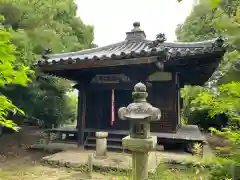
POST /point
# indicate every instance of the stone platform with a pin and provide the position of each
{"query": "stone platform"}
(184, 133)
(54, 147)
(77, 159)
(183, 138)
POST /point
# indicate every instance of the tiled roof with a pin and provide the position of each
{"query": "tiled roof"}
(135, 45)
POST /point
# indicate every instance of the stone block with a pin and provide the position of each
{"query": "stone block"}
(101, 144)
(236, 172)
(139, 145)
(101, 135)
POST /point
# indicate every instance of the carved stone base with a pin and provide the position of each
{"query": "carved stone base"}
(236, 172)
(140, 145)
(140, 165)
(101, 145)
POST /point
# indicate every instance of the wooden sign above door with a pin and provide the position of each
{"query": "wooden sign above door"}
(160, 76)
(110, 78)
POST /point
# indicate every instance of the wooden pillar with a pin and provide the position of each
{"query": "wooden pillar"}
(178, 97)
(79, 107)
(81, 115)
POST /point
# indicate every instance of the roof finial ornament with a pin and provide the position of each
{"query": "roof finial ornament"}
(136, 33)
(136, 27)
(136, 24)
(45, 53)
(160, 38)
(218, 42)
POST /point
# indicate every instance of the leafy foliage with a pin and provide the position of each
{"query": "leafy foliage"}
(38, 25)
(34, 26)
(220, 97)
(10, 74)
(210, 19)
(226, 100)
(206, 23)
(221, 172)
(188, 94)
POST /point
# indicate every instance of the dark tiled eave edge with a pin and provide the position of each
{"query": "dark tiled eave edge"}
(85, 64)
(164, 52)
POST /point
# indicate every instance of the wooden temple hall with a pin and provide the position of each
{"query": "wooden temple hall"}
(105, 77)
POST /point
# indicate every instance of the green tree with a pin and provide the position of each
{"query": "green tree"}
(204, 23)
(39, 25)
(223, 94)
(10, 74)
(35, 26)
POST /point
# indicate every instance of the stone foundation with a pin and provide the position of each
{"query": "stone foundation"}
(101, 145)
(118, 162)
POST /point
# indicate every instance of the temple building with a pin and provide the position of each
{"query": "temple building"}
(105, 77)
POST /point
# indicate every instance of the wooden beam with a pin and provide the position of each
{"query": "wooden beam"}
(86, 64)
(178, 96)
(116, 86)
(84, 101)
(81, 116)
(120, 86)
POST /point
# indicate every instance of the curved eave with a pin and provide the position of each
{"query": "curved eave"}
(172, 58)
(194, 61)
(129, 49)
(196, 70)
(193, 69)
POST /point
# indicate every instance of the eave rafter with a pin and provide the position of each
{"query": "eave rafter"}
(136, 51)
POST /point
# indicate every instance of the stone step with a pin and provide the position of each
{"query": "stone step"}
(111, 142)
(114, 141)
(113, 132)
(65, 141)
(109, 146)
(108, 139)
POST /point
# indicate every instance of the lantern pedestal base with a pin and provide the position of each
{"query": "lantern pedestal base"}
(140, 145)
(140, 150)
(101, 145)
(140, 165)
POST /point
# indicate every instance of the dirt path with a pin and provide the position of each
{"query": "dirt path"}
(38, 172)
(19, 163)
(14, 149)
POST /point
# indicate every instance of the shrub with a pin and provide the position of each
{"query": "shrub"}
(221, 172)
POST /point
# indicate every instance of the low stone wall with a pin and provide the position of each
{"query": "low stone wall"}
(83, 167)
(104, 168)
(55, 163)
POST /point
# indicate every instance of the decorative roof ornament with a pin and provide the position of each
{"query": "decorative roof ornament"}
(160, 38)
(219, 42)
(136, 27)
(136, 33)
(45, 53)
(236, 65)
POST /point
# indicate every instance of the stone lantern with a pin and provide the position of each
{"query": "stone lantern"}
(140, 113)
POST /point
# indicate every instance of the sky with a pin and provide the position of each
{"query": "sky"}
(113, 18)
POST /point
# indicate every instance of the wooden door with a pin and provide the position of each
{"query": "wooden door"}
(163, 96)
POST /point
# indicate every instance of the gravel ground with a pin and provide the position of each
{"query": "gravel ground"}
(19, 163)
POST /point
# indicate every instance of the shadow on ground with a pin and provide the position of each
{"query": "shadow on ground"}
(14, 148)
